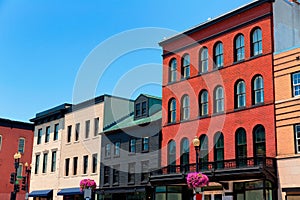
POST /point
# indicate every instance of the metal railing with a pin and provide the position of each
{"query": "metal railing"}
(263, 162)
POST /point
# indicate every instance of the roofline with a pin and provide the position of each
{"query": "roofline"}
(128, 127)
(214, 21)
(94, 101)
(16, 124)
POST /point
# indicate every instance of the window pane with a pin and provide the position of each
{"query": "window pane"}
(56, 128)
(87, 128)
(172, 72)
(21, 145)
(53, 163)
(47, 136)
(45, 159)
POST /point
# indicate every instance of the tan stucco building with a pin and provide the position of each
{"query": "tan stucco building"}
(48, 134)
(287, 109)
(77, 147)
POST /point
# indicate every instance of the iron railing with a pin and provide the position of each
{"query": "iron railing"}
(263, 162)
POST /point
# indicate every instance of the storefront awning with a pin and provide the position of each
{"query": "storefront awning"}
(69, 191)
(40, 193)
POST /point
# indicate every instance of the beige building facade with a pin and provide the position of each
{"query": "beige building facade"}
(48, 134)
(287, 109)
(67, 145)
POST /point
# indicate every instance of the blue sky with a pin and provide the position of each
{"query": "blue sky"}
(43, 45)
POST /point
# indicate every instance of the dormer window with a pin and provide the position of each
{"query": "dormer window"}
(137, 110)
(144, 108)
(141, 109)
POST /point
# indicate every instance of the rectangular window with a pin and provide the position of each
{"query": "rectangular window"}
(77, 131)
(69, 136)
(116, 174)
(75, 164)
(138, 110)
(87, 128)
(132, 145)
(67, 166)
(21, 146)
(94, 170)
(145, 171)
(106, 175)
(144, 108)
(47, 135)
(56, 128)
(131, 173)
(85, 164)
(39, 136)
(117, 146)
(45, 159)
(296, 84)
(37, 164)
(145, 144)
(20, 169)
(53, 162)
(297, 138)
(107, 150)
(96, 126)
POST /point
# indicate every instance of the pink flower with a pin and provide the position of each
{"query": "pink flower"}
(87, 183)
(196, 179)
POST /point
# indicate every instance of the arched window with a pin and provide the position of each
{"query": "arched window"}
(172, 111)
(203, 103)
(185, 69)
(219, 150)
(240, 94)
(258, 90)
(203, 152)
(259, 144)
(218, 55)
(171, 156)
(184, 154)
(239, 48)
(172, 70)
(219, 100)
(21, 146)
(241, 147)
(256, 42)
(203, 60)
(185, 107)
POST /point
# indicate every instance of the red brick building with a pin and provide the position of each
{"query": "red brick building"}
(15, 137)
(218, 85)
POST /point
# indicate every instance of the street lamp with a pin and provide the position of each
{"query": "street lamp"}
(13, 194)
(28, 172)
(196, 143)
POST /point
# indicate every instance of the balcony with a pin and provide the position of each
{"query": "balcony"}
(226, 170)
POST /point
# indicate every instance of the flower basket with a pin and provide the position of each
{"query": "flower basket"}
(87, 184)
(197, 180)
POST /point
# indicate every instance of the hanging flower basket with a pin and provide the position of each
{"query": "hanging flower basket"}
(87, 184)
(196, 180)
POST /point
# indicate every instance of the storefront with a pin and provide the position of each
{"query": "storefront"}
(71, 194)
(41, 194)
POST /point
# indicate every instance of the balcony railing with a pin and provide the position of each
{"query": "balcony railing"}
(263, 162)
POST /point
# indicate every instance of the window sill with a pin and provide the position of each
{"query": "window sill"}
(144, 182)
(145, 151)
(203, 116)
(107, 158)
(131, 154)
(256, 56)
(257, 105)
(239, 61)
(115, 184)
(217, 114)
(106, 185)
(130, 183)
(75, 142)
(240, 108)
(117, 156)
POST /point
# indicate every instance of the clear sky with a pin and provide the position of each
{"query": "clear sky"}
(43, 46)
